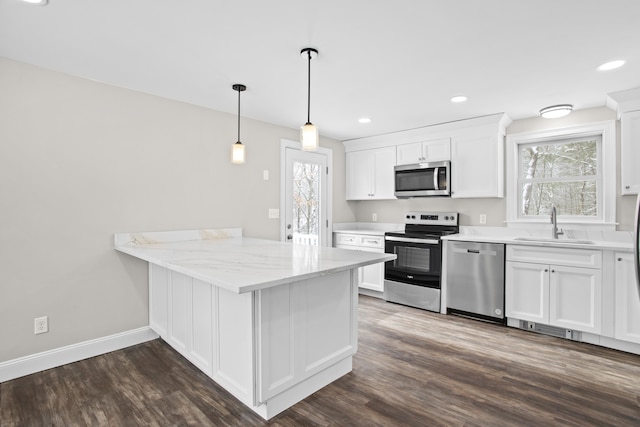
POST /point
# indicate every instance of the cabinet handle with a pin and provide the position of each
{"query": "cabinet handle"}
(546, 270)
(627, 187)
(619, 259)
(553, 271)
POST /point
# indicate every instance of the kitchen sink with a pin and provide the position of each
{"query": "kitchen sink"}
(547, 240)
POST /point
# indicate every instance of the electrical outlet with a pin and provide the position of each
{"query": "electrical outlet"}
(274, 213)
(374, 217)
(265, 174)
(40, 325)
(483, 218)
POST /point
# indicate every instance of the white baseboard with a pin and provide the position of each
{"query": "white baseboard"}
(38, 362)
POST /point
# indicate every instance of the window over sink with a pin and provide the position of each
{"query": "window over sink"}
(571, 168)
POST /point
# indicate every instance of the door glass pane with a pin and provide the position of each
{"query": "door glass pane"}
(306, 204)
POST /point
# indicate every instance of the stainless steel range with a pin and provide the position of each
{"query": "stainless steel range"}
(414, 277)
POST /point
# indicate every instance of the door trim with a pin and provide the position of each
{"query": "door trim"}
(328, 153)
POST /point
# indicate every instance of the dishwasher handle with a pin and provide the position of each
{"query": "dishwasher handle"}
(490, 251)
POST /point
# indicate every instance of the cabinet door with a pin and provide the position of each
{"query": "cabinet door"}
(384, 176)
(372, 276)
(436, 150)
(527, 291)
(359, 175)
(630, 152)
(477, 166)
(576, 298)
(627, 300)
(409, 153)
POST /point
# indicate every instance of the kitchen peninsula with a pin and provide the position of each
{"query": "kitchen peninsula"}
(271, 322)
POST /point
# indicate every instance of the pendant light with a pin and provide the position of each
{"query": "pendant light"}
(309, 132)
(237, 152)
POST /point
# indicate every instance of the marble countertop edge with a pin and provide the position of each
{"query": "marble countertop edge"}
(241, 264)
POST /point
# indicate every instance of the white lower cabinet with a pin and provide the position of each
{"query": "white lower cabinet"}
(554, 286)
(372, 276)
(269, 348)
(627, 300)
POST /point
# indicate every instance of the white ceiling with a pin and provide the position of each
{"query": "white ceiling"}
(396, 61)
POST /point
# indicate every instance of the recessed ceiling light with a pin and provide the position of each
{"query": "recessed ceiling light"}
(37, 2)
(459, 98)
(364, 120)
(612, 65)
(556, 111)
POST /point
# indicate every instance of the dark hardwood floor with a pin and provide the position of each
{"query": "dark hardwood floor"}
(413, 368)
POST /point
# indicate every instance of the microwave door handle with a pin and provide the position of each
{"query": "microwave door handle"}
(435, 178)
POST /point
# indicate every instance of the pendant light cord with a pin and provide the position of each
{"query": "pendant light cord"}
(238, 116)
(309, 89)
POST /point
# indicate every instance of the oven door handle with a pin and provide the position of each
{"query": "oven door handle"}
(412, 240)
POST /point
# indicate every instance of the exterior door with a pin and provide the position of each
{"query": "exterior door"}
(305, 195)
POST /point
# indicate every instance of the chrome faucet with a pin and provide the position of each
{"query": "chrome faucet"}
(554, 221)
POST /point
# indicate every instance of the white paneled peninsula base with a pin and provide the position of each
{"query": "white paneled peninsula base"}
(271, 322)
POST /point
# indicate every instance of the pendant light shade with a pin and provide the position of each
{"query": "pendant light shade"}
(309, 132)
(237, 150)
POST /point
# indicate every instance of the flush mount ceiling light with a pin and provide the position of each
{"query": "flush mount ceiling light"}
(459, 98)
(612, 65)
(37, 2)
(309, 132)
(556, 111)
(364, 120)
(237, 152)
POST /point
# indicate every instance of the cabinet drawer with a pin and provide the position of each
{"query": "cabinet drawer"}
(589, 258)
(347, 239)
(372, 241)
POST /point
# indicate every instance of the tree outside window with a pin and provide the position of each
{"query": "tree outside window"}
(306, 190)
(564, 173)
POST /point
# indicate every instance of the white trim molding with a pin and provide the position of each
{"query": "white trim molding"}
(607, 129)
(38, 362)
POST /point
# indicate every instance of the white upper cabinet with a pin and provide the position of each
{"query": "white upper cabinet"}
(627, 105)
(428, 151)
(370, 174)
(630, 153)
(475, 148)
(477, 165)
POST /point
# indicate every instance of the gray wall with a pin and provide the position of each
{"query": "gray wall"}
(495, 209)
(80, 161)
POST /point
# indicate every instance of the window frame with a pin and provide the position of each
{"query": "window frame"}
(606, 171)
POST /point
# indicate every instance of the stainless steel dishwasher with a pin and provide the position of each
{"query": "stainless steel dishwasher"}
(475, 280)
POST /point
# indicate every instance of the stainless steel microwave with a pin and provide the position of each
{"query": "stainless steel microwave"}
(423, 179)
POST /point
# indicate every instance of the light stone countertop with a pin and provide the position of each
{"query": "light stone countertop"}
(223, 258)
(614, 241)
(368, 228)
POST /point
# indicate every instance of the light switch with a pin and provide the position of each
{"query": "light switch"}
(265, 174)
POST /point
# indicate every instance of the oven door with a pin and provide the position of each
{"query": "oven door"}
(418, 261)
